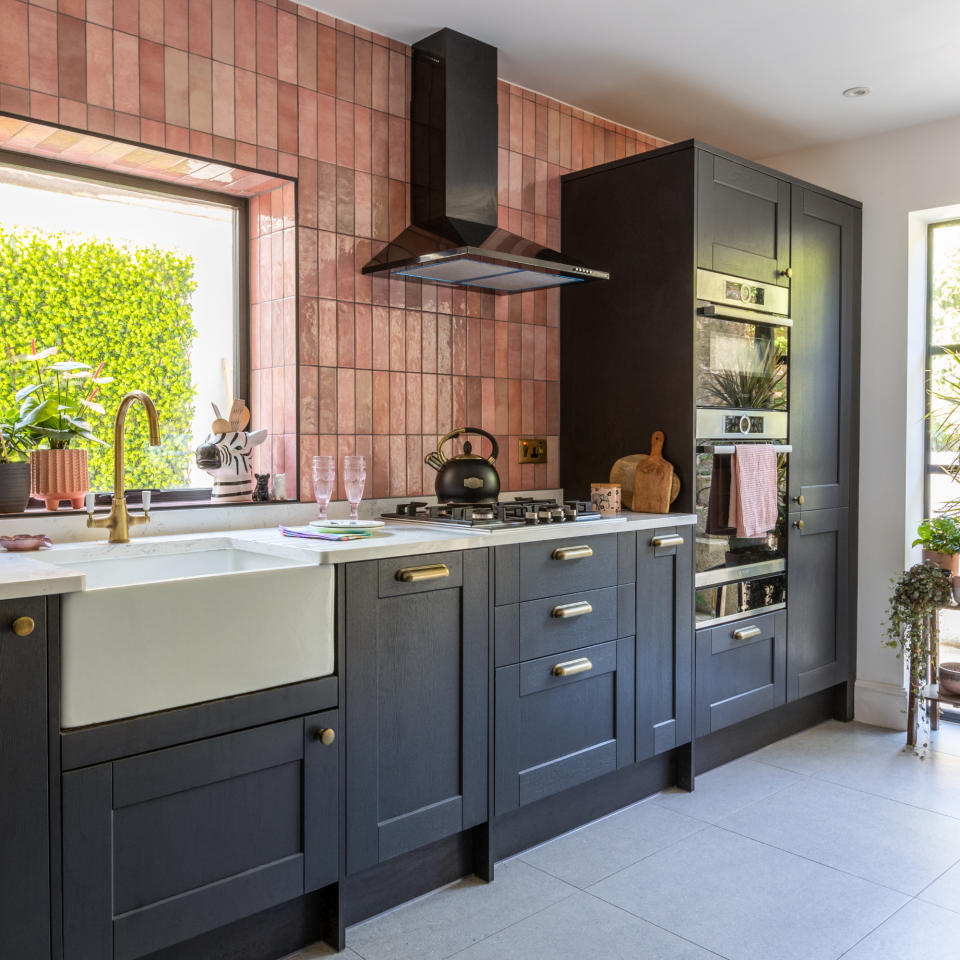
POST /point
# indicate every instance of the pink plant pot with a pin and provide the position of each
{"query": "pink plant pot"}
(945, 561)
(57, 475)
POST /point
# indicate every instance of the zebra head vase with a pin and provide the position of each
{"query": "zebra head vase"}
(227, 455)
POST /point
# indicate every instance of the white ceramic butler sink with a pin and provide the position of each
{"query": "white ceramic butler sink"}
(166, 629)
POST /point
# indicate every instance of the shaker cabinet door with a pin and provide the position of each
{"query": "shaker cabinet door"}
(417, 681)
(24, 796)
(743, 220)
(664, 640)
(819, 601)
(823, 364)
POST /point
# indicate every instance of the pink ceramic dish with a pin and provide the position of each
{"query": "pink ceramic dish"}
(25, 541)
(949, 677)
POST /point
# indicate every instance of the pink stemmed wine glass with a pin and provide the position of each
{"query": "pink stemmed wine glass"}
(324, 478)
(354, 477)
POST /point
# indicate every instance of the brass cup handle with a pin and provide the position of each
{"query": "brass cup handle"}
(577, 609)
(23, 626)
(573, 553)
(747, 633)
(430, 571)
(569, 667)
(667, 540)
(798, 524)
(326, 736)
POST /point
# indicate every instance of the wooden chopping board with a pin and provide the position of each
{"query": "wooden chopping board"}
(653, 480)
(624, 471)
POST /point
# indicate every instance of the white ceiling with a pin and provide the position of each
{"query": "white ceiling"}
(758, 78)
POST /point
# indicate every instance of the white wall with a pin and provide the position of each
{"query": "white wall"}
(904, 179)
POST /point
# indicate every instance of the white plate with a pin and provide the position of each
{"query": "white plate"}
(346, 524)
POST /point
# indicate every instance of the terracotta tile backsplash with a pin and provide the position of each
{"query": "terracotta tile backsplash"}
(340, 363)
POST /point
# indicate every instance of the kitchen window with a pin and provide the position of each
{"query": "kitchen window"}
(942, 430)
(144, 279)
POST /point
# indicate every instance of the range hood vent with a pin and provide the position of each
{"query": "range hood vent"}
(454, 237)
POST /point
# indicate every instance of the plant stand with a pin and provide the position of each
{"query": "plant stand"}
(930, 697)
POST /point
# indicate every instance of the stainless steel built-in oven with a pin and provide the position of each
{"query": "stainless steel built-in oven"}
(742, 357)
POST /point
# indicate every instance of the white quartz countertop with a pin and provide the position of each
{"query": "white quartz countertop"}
(34, 574)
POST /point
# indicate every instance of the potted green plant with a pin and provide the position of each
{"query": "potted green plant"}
(54, 410)
(16, 443)
(918, 594)
(940, 539)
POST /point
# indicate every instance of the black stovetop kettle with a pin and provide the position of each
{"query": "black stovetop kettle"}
(467, 477)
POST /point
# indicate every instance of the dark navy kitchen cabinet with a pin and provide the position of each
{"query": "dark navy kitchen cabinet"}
(417, 682)
(741, 670)
(743, 220)
(25, 780)
(821, 567)
(163, 846)
(664, 639)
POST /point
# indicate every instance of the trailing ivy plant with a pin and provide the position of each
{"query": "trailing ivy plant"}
(127, 306)
(915, 602)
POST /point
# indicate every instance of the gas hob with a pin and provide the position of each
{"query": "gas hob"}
(522, 512)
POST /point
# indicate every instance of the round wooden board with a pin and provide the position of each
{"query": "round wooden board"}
(623, 472)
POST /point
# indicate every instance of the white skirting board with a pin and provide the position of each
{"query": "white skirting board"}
(881, 704)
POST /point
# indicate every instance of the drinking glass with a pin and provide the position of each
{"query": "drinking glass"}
(324, 477)
(354, 477)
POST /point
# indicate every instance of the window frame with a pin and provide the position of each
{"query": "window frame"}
(241, 253)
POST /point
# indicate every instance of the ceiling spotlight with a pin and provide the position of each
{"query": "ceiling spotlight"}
(855, 92)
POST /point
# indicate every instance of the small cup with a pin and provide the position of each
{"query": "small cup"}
(605, 497)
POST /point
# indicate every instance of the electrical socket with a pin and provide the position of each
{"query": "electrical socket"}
(532, 450)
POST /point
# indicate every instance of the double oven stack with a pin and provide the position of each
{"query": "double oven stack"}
(742, 349)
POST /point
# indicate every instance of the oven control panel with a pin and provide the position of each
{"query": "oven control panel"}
(742, 424)
(742, 292)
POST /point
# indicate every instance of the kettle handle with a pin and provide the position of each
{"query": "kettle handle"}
(483, 433)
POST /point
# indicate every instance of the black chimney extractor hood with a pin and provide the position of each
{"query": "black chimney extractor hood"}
(454, 237)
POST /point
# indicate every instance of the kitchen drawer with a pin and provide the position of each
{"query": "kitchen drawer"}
(554, 731)
(544, 631)
(431, 571)
(551, 568)
(740, 676)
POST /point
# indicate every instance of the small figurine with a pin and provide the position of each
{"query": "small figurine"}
(227, 455)
(279, 486)
(260, 493)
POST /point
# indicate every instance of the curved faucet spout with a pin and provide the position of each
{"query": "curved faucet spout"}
(119, 426)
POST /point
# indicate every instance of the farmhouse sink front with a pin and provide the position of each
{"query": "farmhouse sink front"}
(159, 630)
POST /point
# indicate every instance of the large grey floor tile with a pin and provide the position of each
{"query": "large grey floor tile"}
(920, 931)
(749, 901)
(728, 788)
(891, 843)
(601, 848)
(873, 760)
(584, 928)
(945, 890)
(456, 916)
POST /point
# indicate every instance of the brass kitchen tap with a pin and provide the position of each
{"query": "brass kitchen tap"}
(119, 521)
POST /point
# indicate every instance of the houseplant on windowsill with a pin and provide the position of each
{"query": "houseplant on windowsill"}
(940, 539)
(15, 446)
(54, 409)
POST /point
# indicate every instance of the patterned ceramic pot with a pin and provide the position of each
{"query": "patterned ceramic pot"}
(606, 497)
(57, 475)
(14, 487)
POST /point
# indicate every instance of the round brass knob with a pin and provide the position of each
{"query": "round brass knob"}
(798, 499)
(23, 626)
(326, 736)
(798, 524)
(788, 273)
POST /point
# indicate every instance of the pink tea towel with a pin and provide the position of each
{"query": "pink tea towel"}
(753, 489)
